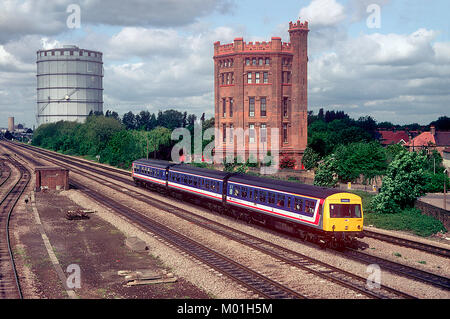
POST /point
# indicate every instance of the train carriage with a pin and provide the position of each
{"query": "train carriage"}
(206, 183)
(323, 215)
(316, 213)
(150, 172)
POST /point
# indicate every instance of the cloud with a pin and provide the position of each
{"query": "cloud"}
(323, 13)
(384, 74)
(41, 17)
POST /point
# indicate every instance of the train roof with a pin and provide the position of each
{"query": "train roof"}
(154, 162)
(186, 168)
(284, 186)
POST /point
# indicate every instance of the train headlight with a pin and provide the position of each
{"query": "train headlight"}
(359, 226)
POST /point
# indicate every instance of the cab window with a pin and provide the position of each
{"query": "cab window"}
(345, 211)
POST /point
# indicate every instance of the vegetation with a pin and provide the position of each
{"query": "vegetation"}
(340, 149)
(117, 142)
(409, 219)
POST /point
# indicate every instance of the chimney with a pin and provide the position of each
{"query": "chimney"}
(433, 130)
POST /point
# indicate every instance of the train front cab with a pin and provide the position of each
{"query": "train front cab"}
(343, 216)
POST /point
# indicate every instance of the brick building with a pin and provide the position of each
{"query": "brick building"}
(259, 87)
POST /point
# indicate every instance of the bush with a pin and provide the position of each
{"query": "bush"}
(435, 182)
(310, 159)
(287, 162)
(325, 175)
(404, 182)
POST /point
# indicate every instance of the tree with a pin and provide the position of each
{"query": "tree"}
(403, 183)
(129, 121)
(359, 159)
(143, 121)
(170, 119)
(325, 175)
(442, 124)
(310, 159)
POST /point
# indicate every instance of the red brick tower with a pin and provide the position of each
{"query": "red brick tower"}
(259, 87)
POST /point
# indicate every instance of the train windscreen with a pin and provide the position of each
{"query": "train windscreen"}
(345, 211)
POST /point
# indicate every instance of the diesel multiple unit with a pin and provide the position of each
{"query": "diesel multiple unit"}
(326, 216)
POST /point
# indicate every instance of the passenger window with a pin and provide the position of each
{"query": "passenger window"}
(262, 196)
(255, 195)
(271, 198)
(289, 202)
(309, 206)
(298, 205)
(230, 190)
(280, 201)
(236, 190)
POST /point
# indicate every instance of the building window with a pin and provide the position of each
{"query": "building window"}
(224, 133)
(251, 133)
(266, 77)
(224, 107)
(256, 77)
(228, 78)
(285, 107)
(247, 61)
(251, 108)
(231, 133)
(267, 61)
(260, 61)
(223, 78)
(249, 77)
(285, 133)
(253, 61)
(263, 133)
(232, 78)
(263, 106)
(231, 107)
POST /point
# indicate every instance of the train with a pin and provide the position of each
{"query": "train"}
(328, 217)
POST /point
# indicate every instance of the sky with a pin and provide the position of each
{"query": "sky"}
(389, 59)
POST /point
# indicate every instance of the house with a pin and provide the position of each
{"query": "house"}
(387, 137)
(432, 140)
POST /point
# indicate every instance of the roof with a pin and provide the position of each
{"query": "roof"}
(284, 186)
(440, 139)
(154, 162)
(393, 137)
(50, 168)
(185, 168)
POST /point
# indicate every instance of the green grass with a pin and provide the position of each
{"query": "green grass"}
(409, 219)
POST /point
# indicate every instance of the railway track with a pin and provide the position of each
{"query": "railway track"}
(414, 273)
(4, 178)
(9, 280)
(250, 279)
(290, 257)
(435, 250)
